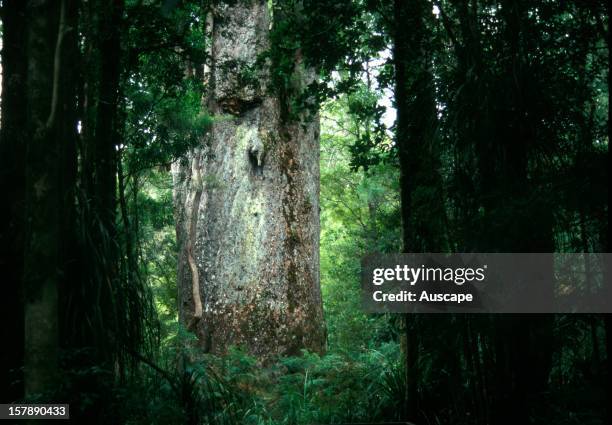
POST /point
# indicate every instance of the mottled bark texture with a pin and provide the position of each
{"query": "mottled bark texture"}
(247, 205)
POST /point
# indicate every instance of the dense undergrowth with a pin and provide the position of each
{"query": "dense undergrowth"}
(234, 389)
(183, 387)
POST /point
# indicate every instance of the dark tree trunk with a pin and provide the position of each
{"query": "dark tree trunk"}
(43, 262)
(12, 180)
(90, 304)
(67, 133)
(422, 207)
(526, 340)
(105, 140)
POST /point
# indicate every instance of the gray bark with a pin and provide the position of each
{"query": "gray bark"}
(247, 206)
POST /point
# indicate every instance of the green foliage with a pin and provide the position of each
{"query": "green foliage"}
(162, 118)
(359, 214)
(162, 84)
(158, 249)
(325, 37)
(311, 389)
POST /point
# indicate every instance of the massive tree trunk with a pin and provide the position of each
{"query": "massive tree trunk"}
(247, 204)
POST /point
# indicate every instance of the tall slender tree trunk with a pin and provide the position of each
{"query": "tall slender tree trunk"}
(105, 140)
(43, 267)
(526, 340)
(247, 204)
(12, 180)
(422, 207)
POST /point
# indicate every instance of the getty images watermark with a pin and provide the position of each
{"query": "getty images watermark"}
(487, 283)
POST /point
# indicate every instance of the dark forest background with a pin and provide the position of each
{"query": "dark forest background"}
(446, 126)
